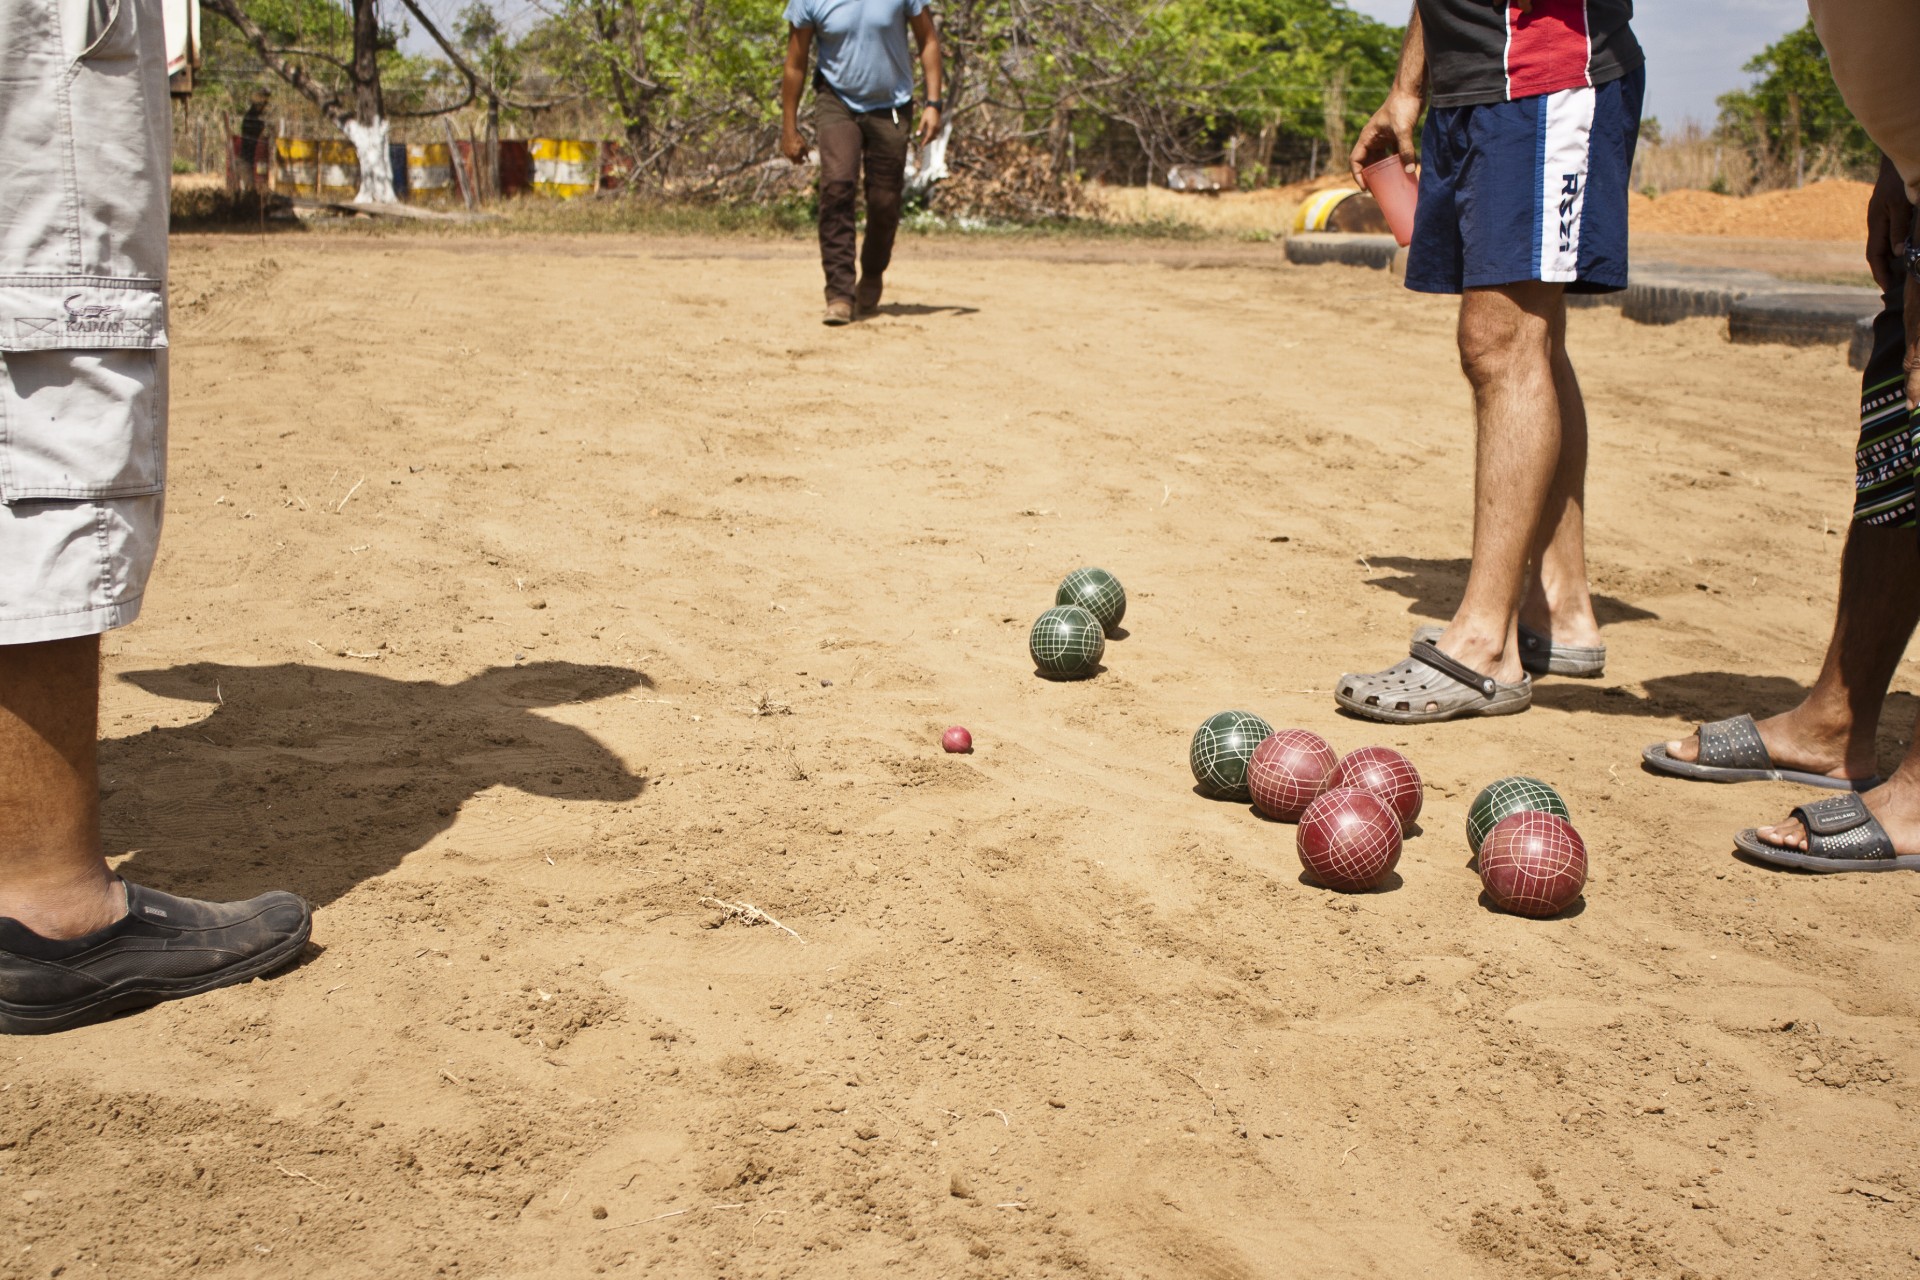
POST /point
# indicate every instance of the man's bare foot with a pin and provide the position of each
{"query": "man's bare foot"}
(1798, 739)
(1564, 622)
(1894, 804)
(1485, 652)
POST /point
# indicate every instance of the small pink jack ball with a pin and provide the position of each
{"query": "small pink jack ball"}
(957, 740)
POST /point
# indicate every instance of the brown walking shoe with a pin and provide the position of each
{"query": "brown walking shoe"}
(867, 297)
(839, 311)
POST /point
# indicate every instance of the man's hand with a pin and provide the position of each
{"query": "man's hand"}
(1888, 218)
(1391, 131)
(793, 146)
(929, 124)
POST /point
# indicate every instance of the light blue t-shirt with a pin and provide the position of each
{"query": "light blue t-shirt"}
(863, 48)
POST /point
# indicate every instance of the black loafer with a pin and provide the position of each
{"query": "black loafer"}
(162, 949)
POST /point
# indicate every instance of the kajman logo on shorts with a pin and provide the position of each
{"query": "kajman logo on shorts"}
(93, 318)
(85, 324)
(1569, 201)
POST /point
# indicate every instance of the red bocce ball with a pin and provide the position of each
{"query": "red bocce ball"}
(1349, 839)
(1387, 774)
(1287, 771)
(1533, 864)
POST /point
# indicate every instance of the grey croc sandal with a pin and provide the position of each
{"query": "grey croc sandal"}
(1542, 657)
(1841, 836)
(1731, 751)
(1427, 677)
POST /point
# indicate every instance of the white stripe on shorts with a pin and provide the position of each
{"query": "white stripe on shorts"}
(1568, 131)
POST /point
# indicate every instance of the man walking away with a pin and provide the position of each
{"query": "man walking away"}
(863, 107)
(1525, 164)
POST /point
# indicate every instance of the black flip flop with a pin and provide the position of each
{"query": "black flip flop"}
(1731, 751)
(1841, 836)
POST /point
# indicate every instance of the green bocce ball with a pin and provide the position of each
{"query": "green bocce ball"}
(1096, 591)
(1506, 797)
(1066, 642)
(1221, 749)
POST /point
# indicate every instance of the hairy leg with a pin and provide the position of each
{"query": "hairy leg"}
(1506, 349)
(52, 877)
(1559, 603)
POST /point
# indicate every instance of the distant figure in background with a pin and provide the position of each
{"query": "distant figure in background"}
(863, 108)
(1873, 47)
(253, 135)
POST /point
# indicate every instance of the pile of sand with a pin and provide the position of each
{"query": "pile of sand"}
(1831, 210)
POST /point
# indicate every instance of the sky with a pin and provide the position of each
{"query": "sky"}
(1695, 48)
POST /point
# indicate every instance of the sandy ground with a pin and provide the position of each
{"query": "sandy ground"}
(516, 595)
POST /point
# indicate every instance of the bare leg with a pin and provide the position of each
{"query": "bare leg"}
(1506, 349)
(1833, 729)
(1559, 603)
(52, 877)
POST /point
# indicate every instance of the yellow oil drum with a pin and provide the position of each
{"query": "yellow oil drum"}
(564, 167)
(339, 169)
(429, 172)
(296, 166)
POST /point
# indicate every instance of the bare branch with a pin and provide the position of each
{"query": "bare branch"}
(322, 97)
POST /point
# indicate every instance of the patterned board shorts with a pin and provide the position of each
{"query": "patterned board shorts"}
(1885, 459)
(84, 127)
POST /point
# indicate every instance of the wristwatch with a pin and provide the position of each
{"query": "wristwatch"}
(935, 103)
(1913, 247)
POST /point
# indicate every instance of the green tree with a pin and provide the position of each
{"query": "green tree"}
(681, 77)
(1792, 119)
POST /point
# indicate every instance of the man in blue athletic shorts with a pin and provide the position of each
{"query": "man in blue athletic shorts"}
(1534, 111)
(863, 115)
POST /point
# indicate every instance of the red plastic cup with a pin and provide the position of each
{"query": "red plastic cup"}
(1397, 192)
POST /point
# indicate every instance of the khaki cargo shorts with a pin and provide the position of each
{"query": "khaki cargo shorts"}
(84, 127)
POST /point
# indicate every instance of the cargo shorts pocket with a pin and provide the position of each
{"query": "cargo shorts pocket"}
(82, 424)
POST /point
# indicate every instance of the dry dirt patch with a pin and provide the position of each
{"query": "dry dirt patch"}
(485, 563)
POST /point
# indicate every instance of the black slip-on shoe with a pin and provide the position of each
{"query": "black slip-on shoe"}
(162, 949)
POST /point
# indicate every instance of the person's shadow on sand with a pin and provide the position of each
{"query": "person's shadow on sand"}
(924, 309)
(313, 778)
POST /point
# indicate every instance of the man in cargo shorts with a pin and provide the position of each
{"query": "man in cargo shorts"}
(1828, 740)
(84, 164)
(1524, 168)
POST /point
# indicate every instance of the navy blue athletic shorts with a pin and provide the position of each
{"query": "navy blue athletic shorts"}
(1532, 189)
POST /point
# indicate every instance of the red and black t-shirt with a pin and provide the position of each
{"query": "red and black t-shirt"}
(1492, 51)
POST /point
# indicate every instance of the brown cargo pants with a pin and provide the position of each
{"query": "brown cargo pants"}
(878, 140)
